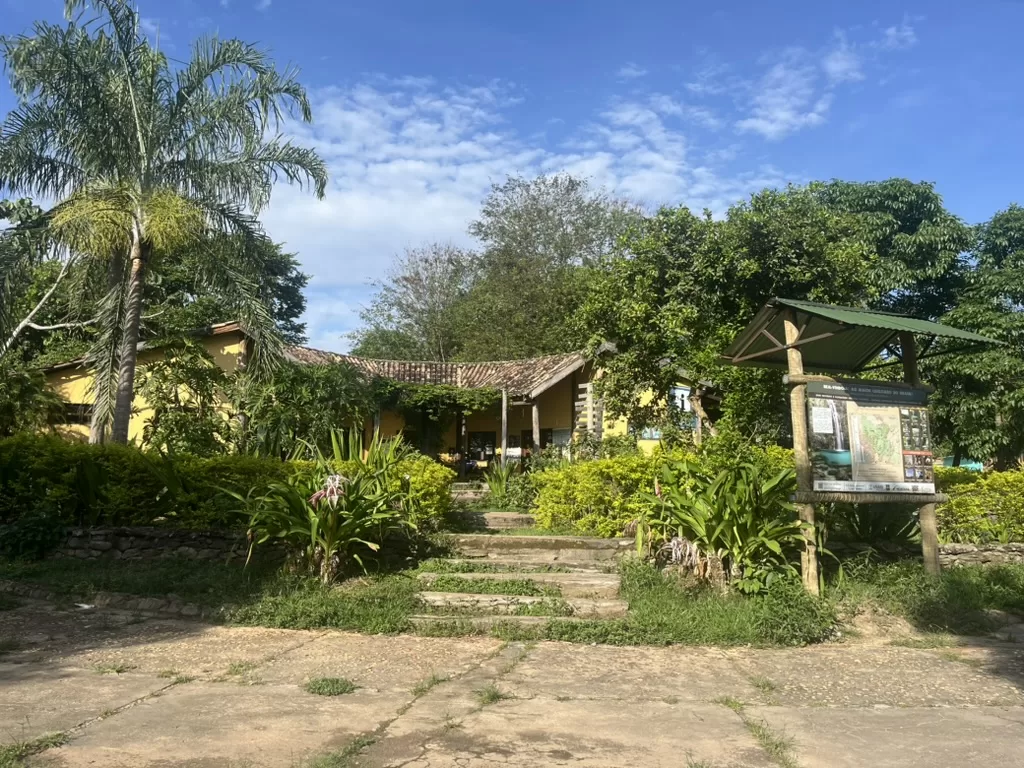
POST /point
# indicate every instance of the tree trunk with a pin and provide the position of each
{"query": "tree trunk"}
(130, 342)
(98, 426)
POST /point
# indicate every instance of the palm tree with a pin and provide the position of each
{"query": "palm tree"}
(140, 155)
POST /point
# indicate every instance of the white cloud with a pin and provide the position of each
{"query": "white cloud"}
(411, 159)
(899, 36)
(631, 70)
(151, 27)
(225, 3)
(786, 99)
(263, 5)
(842, 63)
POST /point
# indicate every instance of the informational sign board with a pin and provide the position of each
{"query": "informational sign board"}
(866, 437)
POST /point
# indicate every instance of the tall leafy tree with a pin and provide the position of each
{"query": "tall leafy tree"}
(979, 400)
(137, 152)
(689, 284)
(414, 313)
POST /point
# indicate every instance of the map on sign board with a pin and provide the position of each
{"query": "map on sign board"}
(866, 437)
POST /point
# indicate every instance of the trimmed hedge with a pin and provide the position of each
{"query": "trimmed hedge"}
(602, 497)
(79, 484)
(983, 508)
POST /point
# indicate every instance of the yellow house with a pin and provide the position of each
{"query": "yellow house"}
(547, 400)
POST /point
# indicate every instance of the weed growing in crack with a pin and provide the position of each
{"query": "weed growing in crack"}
(425, 685)
(330, 686)
(12, 755)
(490, 695)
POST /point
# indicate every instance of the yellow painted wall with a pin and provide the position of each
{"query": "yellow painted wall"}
(75, 385)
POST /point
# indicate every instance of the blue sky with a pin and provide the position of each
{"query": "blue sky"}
(419, 106)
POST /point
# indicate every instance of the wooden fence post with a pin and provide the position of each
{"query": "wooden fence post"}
(798, 413)
(504, 425)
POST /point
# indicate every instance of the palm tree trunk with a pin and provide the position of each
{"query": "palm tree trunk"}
(130, 342)
(98, 425)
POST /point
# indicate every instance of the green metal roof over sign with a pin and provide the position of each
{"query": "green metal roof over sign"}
(832, 339)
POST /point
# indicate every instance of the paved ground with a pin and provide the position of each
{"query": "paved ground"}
(171, 694)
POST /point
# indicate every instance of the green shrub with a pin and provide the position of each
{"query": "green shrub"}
(81, 484)
(599, 497)
(989, 509)
(741, 514)
(947, 477)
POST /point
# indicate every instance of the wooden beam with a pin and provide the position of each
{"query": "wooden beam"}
(504, 426)
(798, 413)
(926, 514)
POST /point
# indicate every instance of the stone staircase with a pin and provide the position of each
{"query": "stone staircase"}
(527, 580)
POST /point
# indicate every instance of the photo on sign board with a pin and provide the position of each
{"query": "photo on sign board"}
(829, 439)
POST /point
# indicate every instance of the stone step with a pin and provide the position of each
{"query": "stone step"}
(527, 568)
(509, 604)
(541, 548)
(496, 520)
(595, 585)
(487, 622)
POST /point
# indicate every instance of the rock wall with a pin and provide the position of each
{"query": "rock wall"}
(980, 554)
(151, 544)
(950, 555)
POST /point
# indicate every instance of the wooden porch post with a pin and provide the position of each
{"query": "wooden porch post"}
(926, 515)
(536, 427)
(460, 441)
(504, 425)
(798, 411)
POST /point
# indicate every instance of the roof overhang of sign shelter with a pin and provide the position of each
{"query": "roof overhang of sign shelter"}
(836, 339)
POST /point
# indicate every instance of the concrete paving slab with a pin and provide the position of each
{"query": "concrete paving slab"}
(206, 653)
(217, 724)
(36, 700)
(901, 738)
(564, 670)
(382, 663)
(843, 676)
(588, 734)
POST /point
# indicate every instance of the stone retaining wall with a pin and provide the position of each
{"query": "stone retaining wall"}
(950, 555)
(980, 554)
(166, 606)
(152, 543)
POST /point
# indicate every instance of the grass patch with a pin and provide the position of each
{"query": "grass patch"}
(167, 674)
(344, 757)
(956, 602)
(522, 587)
(778, 745)
(238, 668)
(425, 685)
(490, 695)
(376, 605)
(195, 581)
(728, 701)
(765, 685)
(331, 686)
(113, 669)
(455, 627)
(12, 755)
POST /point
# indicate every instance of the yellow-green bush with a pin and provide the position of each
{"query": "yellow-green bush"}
(598, 497)
(947, 477)
(602, 496)
(988, 508)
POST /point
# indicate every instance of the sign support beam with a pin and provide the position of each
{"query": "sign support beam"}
(798, 411)
(926, 514)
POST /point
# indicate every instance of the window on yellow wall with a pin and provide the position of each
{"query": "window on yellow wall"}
(481, 445)
(77, 413)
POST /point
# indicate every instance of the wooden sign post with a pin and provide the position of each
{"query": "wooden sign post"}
(926, 513)
(798, 411)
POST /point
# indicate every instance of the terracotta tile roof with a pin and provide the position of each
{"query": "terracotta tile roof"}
(519, 377)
